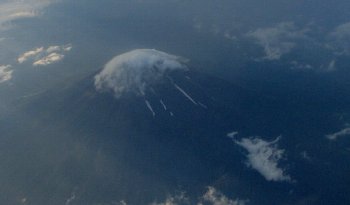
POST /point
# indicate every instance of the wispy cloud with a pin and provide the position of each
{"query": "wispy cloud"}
(5, 73)
(41, 56)
(232, 134)
(211, 197)
(264, 156)
(70, 199)
(136, 70)
(11, 10)
(295, 65)
(279, 40)
(179, 199)
(305, 155)
(340, 39)
(341, 133)
(215, 197)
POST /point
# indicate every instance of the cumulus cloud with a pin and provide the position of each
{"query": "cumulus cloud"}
(30, 54)
(41, 56)
(137, 70)
(215, 197)
(341, 133)
(279, 40)
(5, 73)
(11, 10)
(264, 156)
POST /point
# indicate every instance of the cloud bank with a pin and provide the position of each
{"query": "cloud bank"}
(42, 57)
(264, 156)
(5, 73)
(279, 40)
(137, 70)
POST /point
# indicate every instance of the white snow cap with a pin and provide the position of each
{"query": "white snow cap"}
(136, 70)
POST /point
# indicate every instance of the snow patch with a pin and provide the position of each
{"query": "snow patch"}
(136, 71)
(163, 104)
(148, 104)
(185, 94)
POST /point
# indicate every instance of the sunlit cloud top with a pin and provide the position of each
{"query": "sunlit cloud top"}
(41, 56)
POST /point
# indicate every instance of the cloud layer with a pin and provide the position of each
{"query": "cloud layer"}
(136, 70)
(264, 156)
(42, 57)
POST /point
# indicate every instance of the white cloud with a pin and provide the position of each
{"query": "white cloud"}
(232, 134)
(136, 70)
(70, 199)
(341, 133)
(30, 54)
(41, 56)
(215, 197)
(331, 66)
(279, 40)
(211, 197)
(339, 39)
(342, 31)
(264, 156)
(52, 49)
(122, 202)
(179, 199)
(11, 10)
(300, 66)
(23, 200)
(5, 73)
(51, 58)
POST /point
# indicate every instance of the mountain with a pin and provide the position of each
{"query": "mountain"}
(183, 131)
